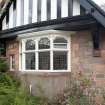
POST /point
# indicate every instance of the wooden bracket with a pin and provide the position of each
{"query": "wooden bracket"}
(96, 41)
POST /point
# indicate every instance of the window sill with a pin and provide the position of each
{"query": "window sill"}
(41, 71)
(46, 73)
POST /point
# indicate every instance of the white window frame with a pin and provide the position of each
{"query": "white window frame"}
(12, 60)
(51, 37)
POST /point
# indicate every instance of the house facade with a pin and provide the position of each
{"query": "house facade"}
(46, 41)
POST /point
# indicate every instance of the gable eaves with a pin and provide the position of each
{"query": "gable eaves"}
(95, 10)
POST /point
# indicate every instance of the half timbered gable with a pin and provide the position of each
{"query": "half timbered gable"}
(22, 12)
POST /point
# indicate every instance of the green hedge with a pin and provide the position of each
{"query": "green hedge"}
(3, 65)
(13, 93)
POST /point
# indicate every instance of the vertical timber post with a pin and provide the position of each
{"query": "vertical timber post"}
(96, 41)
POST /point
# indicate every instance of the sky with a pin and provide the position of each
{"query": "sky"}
(100, 3)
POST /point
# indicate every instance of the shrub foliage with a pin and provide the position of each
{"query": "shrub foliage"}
(3, 65)
(12, 93)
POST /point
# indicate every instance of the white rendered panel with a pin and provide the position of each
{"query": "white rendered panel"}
(53, 9)
(14, 20)
(76, 7)
(43, 10)
(64, 8)
(34, 13)
(26, 11)
(4, 24)
(18, 11)
(11, 16)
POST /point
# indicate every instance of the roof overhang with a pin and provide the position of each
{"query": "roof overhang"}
(95, 10)
(74, 23)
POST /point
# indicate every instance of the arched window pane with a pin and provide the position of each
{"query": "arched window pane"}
(60, 43)
(44, 43)
(60, 40)
(30, 45)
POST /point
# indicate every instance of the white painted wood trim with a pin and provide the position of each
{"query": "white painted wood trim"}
(45, 71)
(23, 55)
(51, 53)
(69, 54)
(45, 32)
(51, 37)
(37, 57)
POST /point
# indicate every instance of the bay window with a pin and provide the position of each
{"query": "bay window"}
(49, 53)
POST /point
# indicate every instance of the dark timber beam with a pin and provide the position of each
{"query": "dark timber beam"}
(70, 8)
(48, 9)
(58, 9)
(72, 23)
(96, 41)
(39, 11)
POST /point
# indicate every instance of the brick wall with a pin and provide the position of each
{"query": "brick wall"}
(82, 60)
(12, 48)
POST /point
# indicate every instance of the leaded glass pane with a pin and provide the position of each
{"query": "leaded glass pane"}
(60, 60)
(44, 60)
(60, 43)
(60, 40)
(30, 61)
(44, 43)
(30, 45)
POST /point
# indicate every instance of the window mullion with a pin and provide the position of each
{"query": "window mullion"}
(51, 54)
(23, 55)
(51, 60)
(20, 55)
(37, 56)
(37, 61)
(69, 54)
